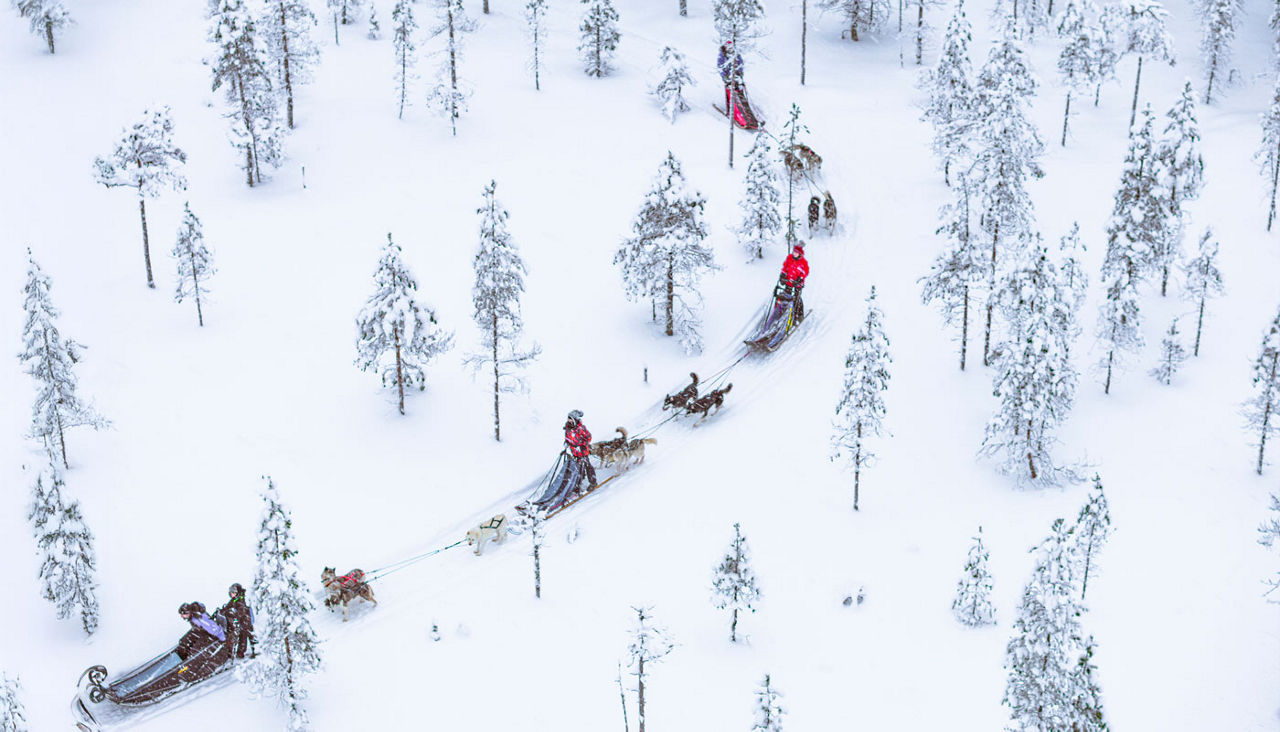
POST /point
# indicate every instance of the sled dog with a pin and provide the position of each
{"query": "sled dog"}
(682, 397)
(621, 452)
(495, 528)
(709, 401)
(342, 590)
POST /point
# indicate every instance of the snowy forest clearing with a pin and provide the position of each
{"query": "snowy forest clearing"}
(1185, 639)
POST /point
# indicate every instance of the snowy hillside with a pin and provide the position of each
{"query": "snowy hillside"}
(1185, 638)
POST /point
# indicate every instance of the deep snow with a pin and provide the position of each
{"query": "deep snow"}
(1185, 639)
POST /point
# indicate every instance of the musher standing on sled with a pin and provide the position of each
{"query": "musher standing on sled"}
(730, 64)
(577, 444)
(794, 271)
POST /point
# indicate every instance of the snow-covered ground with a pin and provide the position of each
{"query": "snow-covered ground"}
(1185, 639)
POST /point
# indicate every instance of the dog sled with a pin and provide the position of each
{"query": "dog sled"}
(101, 701)
(744, 117)
(783, 315)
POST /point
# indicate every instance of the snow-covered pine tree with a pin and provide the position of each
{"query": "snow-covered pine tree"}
(1078, 61)
(649, 644)
(1091, 531)
(1268, 156)
(1035, 379)
(45, 16)
(1086, 709)
(395, 335)
(972, 605)
(1041, 657)
(375, 28)
(1203, 279)
(734, 583)
(1072, 271)
(450, 94)
(1220, 18)
(496, 296)
(1112, 24)
(860, 16)
(1269, 536)
(535, 14)
(345, 12)
(1172, 354)
(599, 37)
(738, 21)
(861, 409)
(288, 647)
(536, 521)
(761, 221)
(665, 258)
(922, 28)
(1260, 411)
(48, 359)
(959, 269)
(402, 27)
(1145, 35)
(951, 95)
(240, 69)
(286, 27)
(1022, 17)
(675, 79)
(1179, 169)
(1008, 151)
(195, 264)
(67, 568)
(13, 717)
(145, 158)
(769, 709)
(1138, 221)
(46, 497)
(792, 131)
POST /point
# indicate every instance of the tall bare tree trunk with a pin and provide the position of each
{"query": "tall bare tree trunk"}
(1199, 326)
(684, 8)
(1137, 80)
(335, 29)
(288, 83)
(920, 32)
(1266, 412)
(395, 330)
(986, 337)
(857, 468)
(146, 242)
(453, 78)
(48, 34)
(640, 691)
(195, 280)
(1066, 115)
(497, 434)
(964, 328)
(804, 36)
(1275, 180)
(671, 292)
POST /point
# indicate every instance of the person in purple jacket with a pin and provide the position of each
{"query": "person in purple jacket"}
(204, 630)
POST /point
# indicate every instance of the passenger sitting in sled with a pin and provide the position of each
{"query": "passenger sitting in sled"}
(794, 271)
(204, 630)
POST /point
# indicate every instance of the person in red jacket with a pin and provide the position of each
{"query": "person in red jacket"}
(794, 271)
(577, 443)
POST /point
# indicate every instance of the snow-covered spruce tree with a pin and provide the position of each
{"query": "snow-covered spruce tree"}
(1041, 657)
(959, 269)
(1086, 709)
(675, 79)
(240, 69)
(1180, 171)
(535, 14)
(46, 497)
(1268, 156)
(13, 717)
(792, 130)
(1091, 531)
(402, 27)
(1072, 271)
(1219, 18)
(1035, 380)
(972, 605)
(1172, 354)
(1146, 36)
(734, 583)
(48, 359)
(496, 295)
(951, 95)
(67, 568)
(1138, 220)
(1078, 61)
(860, 16)
(860, 411)
(395, 335)
(45, 17)
(195, 264)
(286, 26)
(769, 710)
(1008, 151)
(649, 644)
(1260, 411)
(375, 28)
(1112, 24)
(1203, 280)
(288, 647)
(345, 12)
(599, 37)
(1269, 536)
(449, 94)
(1022, 17)
(145, 158)
(761, 221)
(666, 257)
